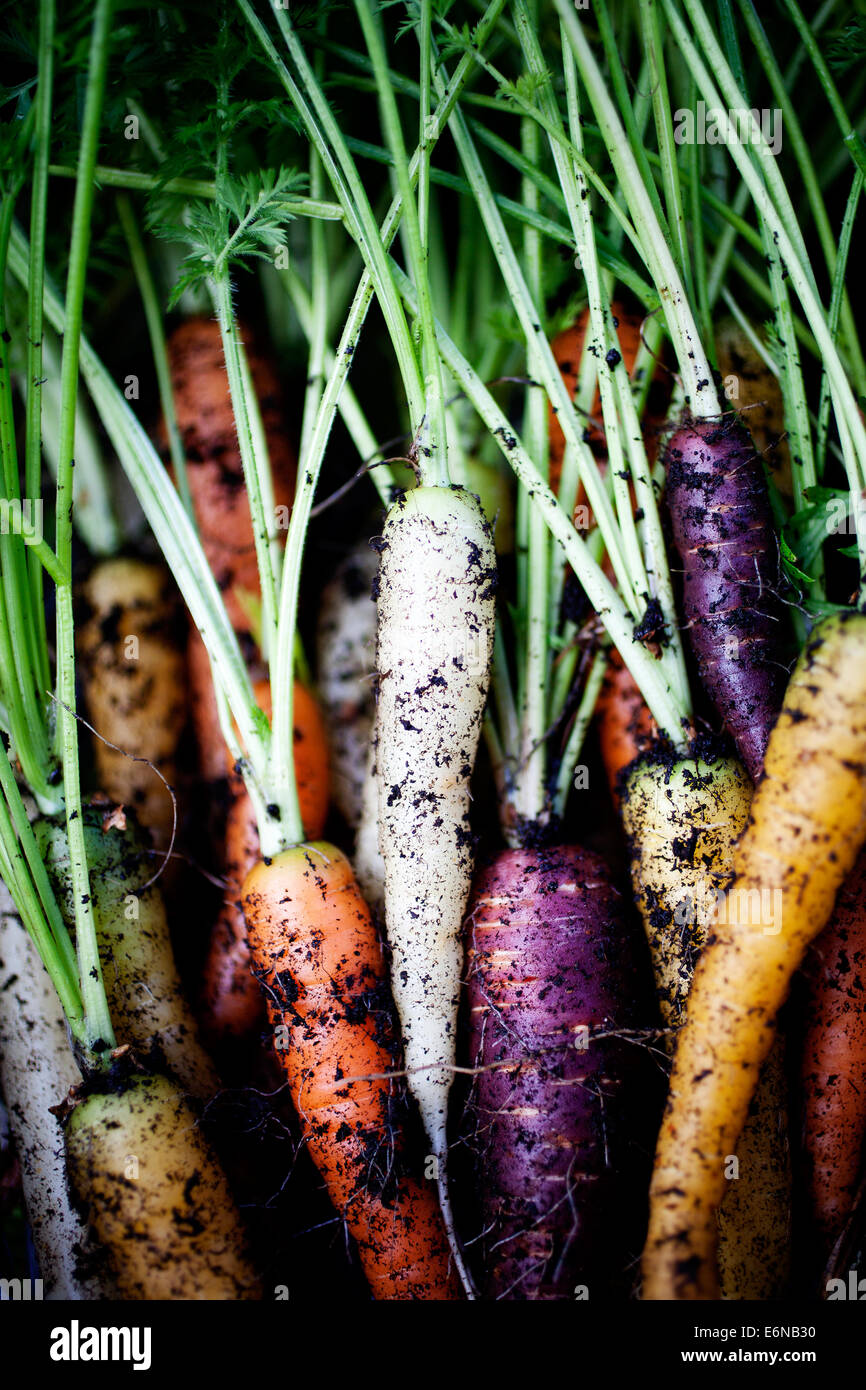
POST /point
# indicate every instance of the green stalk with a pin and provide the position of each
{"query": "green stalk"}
(322, 128)
(794, 133)
(533, 599)
(651, 31)
(156, 332)
(137, 182)
(33, 406)
(170, 524)
(791, 377)
(725, 246)
(816, 57)
(16, 873)
(700, 278)
(254, 457)
(530, 318)
(54, 944)
(621, 420)
(387, 232)
(620, 85)
(577, 733)
(99, 1028)
(851, 430)
(735, 100)
(283, 783)
(608, 255)
(351, 413)
(842, 255)
(432, 460)
(693, 362)
(24, 697)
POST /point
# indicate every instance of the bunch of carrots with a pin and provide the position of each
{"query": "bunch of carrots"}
(433, 767)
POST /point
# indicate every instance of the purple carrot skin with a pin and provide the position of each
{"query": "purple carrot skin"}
(833, 1065)
(723, 530)
(562, 1138)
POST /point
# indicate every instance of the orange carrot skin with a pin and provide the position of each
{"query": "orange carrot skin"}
(833, 1066)
(318, 958)
(232, 1000)
(625, 725)
(214, 468)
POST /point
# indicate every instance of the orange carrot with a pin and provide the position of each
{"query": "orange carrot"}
(625, 725)
(834, 1063)
(316, 953)
(213, 459)
(232, 1003)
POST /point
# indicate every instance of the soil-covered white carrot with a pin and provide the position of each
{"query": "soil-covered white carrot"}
(437, 583)
(155, 1195)
(142, 985)
(807, 824)
(346, 647)
(36, 1071)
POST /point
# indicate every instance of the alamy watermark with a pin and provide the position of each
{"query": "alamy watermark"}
(740, 907)
(708, 125)
(19, 518)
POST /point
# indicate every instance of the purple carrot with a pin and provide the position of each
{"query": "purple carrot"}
(553, 965)
(723, 530)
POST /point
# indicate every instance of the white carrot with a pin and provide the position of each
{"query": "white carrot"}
(436, 620)
(36, 1071)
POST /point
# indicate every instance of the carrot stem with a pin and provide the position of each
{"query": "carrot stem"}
(153, 319)
(99, 1027)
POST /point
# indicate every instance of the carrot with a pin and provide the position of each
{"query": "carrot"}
(36, 1071)
(723, 531)
(232, 1004)
(754, 1219)
(832, 1071)
(346, 645)
(214, 468)
(808, 821)
(756, 391)
(682, 819)
(317, 956)
(128, 649)
(554, 973)
(142, 985)
(436, 615)
(155, 1195)
(625, 725)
